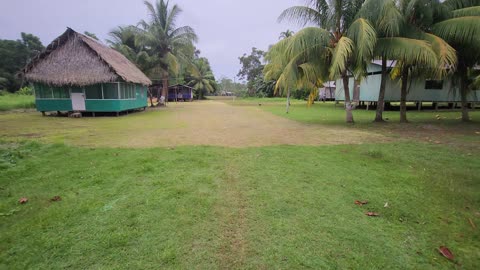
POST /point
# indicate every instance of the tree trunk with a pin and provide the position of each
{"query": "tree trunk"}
(403, 96)
(463, 96)
(381, 94)
(348, 103)
(151, 97)
(165, 87)
(288, 100)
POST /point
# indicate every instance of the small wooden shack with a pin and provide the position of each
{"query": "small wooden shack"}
(76, 73)
(180, 92)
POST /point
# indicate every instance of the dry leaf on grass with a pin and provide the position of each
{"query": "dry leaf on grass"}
(446, 253)
(357, 202)
(23, 200)
(372, 214)
(56, 199)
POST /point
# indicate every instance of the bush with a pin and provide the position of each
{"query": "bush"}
(26, 91)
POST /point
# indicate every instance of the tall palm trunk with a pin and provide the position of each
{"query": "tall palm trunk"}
(403, 95)
(288, 100)
(381, 94)
(463, 96)
(165, 87)
(348, 103)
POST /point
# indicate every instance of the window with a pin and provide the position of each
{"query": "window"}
(127, 91)
(43, 91)
(60, 93)
(110, 91)
(94, 91)
(434, 84)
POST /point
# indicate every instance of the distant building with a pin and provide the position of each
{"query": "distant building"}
(77, 73)
(327, 92)
(420, 89)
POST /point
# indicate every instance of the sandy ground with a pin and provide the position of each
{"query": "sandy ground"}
(198, 123)
(220, 124)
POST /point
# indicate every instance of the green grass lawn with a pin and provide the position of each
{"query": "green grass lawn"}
(12, 101)
(209, 207)
(271, 207)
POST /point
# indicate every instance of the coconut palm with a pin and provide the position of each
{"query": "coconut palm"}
(339, 41)
(399, 39)
(459, 24)
(286, 34)
(201, 77)
(418, 16)
(168, 44)
(124, 40)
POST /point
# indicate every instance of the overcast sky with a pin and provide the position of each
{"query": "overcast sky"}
(226, 28)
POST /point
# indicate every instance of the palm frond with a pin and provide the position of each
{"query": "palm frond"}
(342, 52)
(461, 30)
(409, 51)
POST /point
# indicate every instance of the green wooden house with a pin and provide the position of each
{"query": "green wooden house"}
(76, 73)
(420, 89)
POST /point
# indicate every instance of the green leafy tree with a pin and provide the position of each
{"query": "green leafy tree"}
(400, 37)
(14, 55)
(201, 78)
(458, 22)
(167, 44)
(252, 67)
(92, 35)
(336, 47)
(286, 34)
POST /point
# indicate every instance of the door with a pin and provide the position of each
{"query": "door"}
(78, 101)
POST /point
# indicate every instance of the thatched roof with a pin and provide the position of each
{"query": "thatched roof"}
(75, 59)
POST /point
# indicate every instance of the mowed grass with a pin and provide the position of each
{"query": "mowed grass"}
(286, 207)
(12, 101)
(330, 114)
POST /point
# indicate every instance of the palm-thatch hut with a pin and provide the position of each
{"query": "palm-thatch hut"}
(77, 73)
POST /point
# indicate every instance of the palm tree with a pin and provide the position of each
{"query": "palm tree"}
(339, 40)
(286, 34)
(124, 40)
(201, 77)
(459, 25)
(405, 42)
(418, 16)
(168, 44)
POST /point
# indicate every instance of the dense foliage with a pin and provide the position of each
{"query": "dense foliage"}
(14, 55)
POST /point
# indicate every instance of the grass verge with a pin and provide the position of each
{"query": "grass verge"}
(199, 207)
(12, 101)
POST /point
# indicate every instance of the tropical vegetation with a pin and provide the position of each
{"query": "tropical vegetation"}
(423, 37)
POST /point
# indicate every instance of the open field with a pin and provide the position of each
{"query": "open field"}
(11, 101)
(208, 185)
(197, 123)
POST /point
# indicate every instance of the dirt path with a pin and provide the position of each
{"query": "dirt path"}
(197, 123)
(232, 213)
(217, 123)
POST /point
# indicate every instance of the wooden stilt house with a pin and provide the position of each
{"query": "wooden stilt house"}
(77, 73)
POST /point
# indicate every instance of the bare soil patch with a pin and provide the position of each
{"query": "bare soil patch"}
(198, 123)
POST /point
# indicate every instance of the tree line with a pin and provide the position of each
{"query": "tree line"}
(165, 52)
(432, 38)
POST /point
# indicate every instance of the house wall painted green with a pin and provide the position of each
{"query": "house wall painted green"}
(420, 89)
(106, 97)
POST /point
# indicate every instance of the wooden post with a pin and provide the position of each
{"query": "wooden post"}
(435, 105)
(118, 114)
(368, 105)
(93, 113)
(43, 113)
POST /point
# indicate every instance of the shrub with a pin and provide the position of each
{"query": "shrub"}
(26, 91)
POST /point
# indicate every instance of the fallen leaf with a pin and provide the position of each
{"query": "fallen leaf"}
(385, 205)
(357, 202)
(471, 223)
(23, 200)
(446, 252)
(372, 214)
(56, 199)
